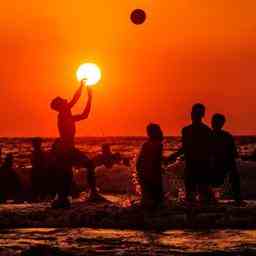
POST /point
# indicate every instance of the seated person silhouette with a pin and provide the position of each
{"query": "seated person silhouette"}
(149, 167)
(38, 174)
(108, 158)
(196, 147)
(67, 129)
(10, 187)
(224, 157)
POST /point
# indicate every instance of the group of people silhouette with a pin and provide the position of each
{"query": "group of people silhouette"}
(209, 153)
(210, 156)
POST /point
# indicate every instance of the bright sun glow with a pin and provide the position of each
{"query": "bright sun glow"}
(90, 72)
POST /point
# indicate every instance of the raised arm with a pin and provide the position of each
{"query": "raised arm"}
(87, 108)
(76, 96)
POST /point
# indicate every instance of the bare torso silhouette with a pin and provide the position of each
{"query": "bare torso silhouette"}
(67, 128)
(67, 121)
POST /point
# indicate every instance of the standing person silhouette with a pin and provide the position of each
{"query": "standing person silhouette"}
(149, 168)
(224, 158)
(197, 144)
(67, 129)
(197, 150)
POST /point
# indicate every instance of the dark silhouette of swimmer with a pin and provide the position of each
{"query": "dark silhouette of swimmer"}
(224, 157)
(196, 147)
(108, 158)
(67, 129)
(38, 173)
(10, 186)
(149, 167)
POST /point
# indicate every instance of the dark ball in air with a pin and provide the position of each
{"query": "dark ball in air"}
(138, 16)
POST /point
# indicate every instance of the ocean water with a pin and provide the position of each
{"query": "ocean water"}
(127, 146)
(84, 241)
(109, 180)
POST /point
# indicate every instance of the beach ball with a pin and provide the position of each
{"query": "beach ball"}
(138, 16)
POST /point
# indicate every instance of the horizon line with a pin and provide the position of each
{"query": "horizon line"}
(106, 136)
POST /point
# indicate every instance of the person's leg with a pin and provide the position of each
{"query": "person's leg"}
(62, 183)
(158, 194)
(80, 159)
(66, 182)
(235, 184)
(145, 196)
(190, 186)
(204, 180)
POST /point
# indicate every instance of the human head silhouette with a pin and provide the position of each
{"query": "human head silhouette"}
(218, 121)
(37, 143)
(198, 112)
(59, 104)
(154, 131)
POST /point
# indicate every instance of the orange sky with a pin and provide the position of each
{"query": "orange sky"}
(187, 51)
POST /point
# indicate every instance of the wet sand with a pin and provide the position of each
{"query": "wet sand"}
(115, 227)
(117, 212)
(84, 241)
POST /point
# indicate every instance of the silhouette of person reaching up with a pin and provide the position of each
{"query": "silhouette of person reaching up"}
(67, 129)
(149, 168)
(224, 157)
(196, 147)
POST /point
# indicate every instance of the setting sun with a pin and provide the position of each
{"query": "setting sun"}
(90, 72)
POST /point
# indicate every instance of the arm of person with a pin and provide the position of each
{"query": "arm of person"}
(76, 96)
(173, 157)
(87, 108)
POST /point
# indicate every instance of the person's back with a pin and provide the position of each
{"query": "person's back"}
(196, 140)
(149, 161)
(224, 149)
(148, 167)
(224, 157)
(66, 127)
